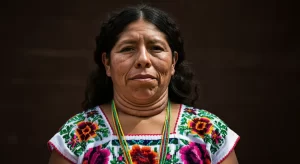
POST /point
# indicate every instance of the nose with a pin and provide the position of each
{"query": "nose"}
(143, 58)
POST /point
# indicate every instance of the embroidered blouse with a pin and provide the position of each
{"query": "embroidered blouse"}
(200, 137)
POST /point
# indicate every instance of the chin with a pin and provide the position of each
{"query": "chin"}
(144, 96)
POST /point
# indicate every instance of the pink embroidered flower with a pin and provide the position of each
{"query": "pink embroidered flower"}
(169, 156)
(73, 141)
(120, 158)
(215, 135)
(194, 153)
(96, 155)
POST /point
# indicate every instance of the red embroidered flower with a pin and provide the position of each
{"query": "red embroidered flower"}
(91, 113)
(143, 155)
(194, 153)
(86, 130)
(201, 126)
(216, 137)
(96, 155)
(190, 110)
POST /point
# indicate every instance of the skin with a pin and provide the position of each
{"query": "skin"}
(141, 100)
(141, 50)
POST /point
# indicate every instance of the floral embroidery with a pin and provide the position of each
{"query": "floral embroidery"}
(120, 158)
(190, 110)
(169, 156)
(201, 126)
(82, 129)
(205, 125)
(96, 155)
(90, 128)
(86, 130)
(73, 141)
(143, 155)
(216, 136)
(91, 113)
(194, 153)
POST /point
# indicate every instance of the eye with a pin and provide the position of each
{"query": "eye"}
(157, 48)
(127, 49)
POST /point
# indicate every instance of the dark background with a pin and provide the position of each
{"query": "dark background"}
(245, 55)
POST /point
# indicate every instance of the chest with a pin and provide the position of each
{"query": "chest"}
(146, 151)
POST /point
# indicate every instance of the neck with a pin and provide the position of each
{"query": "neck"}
(141, 110)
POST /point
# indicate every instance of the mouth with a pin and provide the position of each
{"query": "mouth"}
(142, 77)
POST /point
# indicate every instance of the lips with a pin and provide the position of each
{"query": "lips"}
(142, 76)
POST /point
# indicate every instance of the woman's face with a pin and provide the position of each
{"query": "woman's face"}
(141, 63)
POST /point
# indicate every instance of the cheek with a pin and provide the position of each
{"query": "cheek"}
(119, 67)
(163, 66)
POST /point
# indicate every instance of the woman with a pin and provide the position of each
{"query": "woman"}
(138, 105)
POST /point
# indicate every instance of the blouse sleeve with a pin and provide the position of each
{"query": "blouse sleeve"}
(229, 143)
(223, 140)
(66, 141)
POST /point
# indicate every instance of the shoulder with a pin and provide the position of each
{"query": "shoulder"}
(77, 132)
(202, 123)
(208, 128)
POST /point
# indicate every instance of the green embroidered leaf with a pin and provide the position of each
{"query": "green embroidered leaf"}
(63, 131)
(173, 141)
(105, 145)
(76, 122)
(221, 142)
(175, 160)
(168, 150)
(155, 149)
(213, 149)
(101, 122)
(187, 133)
(95, 118)
(223, 133)
(120, 152)
(66, 137)
(104, 131)
(111, 149)
(185, 142)
(168, 162)
(182, 129)
(90, 141)
(155, 142)
(98, 137)
(207, 139)
(114, 161)
(83, 144)
(76, 119)
(115, 143)
(78, 152)
(183, 120)
(69, 128)
(204, 113)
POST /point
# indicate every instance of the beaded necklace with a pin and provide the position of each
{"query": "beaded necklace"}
(124, 145)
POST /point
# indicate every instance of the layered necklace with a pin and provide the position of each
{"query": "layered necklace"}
(124, 145)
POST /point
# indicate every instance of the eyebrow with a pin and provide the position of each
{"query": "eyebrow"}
(153, 41)
(134, 41)
(127, 41)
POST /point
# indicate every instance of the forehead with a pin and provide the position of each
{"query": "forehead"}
(141, 28)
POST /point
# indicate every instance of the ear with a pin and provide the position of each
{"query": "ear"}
(106, 64)
(174, 61)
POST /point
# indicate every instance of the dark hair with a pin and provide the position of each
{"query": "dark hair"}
(182, 87)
